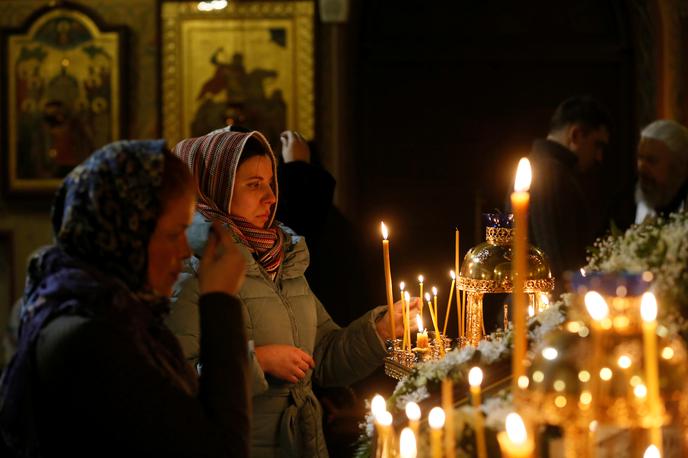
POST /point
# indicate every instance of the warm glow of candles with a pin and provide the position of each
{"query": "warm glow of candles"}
(378, 406)
(652, 452)
(436, 421)
(475, 378)
(407, 444)
(388, 279)
(596, 305)
(519, 204)
(422, 335)
(515, 443)
(648, 312)
(451, 295)
(385, 442)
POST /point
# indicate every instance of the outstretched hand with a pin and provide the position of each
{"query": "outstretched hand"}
(294, 147)
(223, 266)
(285, 362)
(382, 324)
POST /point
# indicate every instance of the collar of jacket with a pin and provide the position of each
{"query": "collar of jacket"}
(296, 256)
(554, 150)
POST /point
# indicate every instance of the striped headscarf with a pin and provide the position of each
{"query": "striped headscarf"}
(214, 160)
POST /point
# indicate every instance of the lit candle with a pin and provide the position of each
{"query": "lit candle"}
(407, 444)
(599, 311)
(388, 279)
(648, 312)
(420, 285)
(378, 407)
(432, 314)
(519, 204)
(451, 295)
(436, 422)
(652, 452)
(475, 378)
(407, 300)
(413, 415)
(515, 443)
(404, 318)
(385, 422)
(448, 406)
(434, 305)
(422, 335)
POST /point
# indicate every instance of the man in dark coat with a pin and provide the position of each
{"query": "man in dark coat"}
(563, 218)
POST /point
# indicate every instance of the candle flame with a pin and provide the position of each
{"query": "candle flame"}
(516, 429)
(407, 444)
(427, 296)
(434, 291)
(402, 286)
(407, 297)
(652, 452)
(419, 321)
(384, 231)
(524, 175)
(412, 411)
(436, 418)
(582, 271)
(475, 376)
(648, 307)
(452, 275)
(385, 419)
(420, 278)
(378, 406)
(596, 305)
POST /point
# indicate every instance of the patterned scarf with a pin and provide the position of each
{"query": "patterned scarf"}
(213, 160)
(104, 215)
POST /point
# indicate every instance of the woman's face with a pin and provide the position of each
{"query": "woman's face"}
(168, 247)
(253, 197)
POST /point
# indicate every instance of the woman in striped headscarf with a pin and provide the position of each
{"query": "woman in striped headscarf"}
(293, 338)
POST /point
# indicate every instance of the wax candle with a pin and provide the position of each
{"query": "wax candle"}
(378, 407)
(413, 415)
(420, 286)
(519, 204)
(388, 279)
(514, 442)
(404, 318)
(451, 295)
(387, 434)
(407, 444)
(434, 305)
(407, 302)
(448, 406)
(432, 314)
(648, 312)
(422, 335)
(436, 419)
(475, 378)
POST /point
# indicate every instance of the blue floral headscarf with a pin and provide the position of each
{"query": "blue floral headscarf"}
(104, 215)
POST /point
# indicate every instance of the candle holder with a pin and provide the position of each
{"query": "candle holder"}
(592, 370)
(486, 269)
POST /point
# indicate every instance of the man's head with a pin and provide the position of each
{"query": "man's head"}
(662, 162)
(582, 125)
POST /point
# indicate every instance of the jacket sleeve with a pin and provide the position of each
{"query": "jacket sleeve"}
(107, 380)
(345, 355)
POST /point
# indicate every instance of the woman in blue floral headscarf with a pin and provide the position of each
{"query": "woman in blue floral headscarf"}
(96, 371)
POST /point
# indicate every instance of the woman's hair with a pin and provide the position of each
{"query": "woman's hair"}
(176, 179)
(252, 148)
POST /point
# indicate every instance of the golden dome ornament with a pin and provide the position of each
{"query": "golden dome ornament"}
(486, 269)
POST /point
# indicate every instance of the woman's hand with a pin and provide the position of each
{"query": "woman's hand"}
(382, 324)
(223, 266)
(294, 147)
(284, 361)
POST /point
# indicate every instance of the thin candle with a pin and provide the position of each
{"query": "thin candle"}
(475, 378)
(407, 300)
(420, 286)
(648, 312)
(436, 421)
(519, 203)
(388, 279)
(404, 318)
(413, 415)
(432, 314)
(451, 293)
(448, 406)
(514, 442)
(378, 407)
(434, 304)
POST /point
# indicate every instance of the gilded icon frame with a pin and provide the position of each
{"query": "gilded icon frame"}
(249, 64)
(63, 78)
